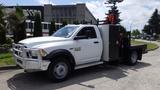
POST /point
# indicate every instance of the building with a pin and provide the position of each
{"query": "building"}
(78, 13)
(29, 11)
(45, 27)
(70, 13)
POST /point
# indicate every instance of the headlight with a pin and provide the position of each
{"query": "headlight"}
(43, 53)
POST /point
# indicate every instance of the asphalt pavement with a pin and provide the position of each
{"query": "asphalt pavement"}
(144, 76)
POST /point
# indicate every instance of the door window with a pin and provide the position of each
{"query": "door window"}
(88, 31)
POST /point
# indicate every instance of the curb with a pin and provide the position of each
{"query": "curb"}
(10, 67)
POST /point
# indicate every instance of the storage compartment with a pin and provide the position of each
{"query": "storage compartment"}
(114, 36)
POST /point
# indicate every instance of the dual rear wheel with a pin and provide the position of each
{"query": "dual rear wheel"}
(133, 58)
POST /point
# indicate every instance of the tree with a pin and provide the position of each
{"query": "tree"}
(16, 20)
(122, 29)
(113, 14)
(76, 22)
(135, 33)
(37, 26)
(147, 29)
(153, 24)
(52, 27)
(2, 26)
(64, 23)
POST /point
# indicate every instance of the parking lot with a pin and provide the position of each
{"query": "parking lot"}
(144, 76)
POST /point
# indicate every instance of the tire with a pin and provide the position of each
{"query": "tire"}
(133, 59)
(59, 70)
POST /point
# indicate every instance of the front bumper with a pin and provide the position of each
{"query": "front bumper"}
(26, 61)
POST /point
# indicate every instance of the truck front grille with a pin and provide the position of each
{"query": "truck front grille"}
(19, 61)
(23, 52)
(18, 50)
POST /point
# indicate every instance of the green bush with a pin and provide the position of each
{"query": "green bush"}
(9, 41)
(64, 23)
(6, 59)
(37, 26)
(52, 27)
(5, 48)
(2, 26)
(16, 20)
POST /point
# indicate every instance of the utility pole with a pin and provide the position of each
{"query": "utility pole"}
(131, 27)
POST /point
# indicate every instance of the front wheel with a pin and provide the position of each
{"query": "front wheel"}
(59, 70)
(134, 58)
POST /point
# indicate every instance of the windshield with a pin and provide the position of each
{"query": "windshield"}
(65, 32)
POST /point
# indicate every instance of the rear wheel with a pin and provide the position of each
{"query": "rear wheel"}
(59, 70)
(134, 58)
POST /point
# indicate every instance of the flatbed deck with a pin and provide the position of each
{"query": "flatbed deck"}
(143, 47)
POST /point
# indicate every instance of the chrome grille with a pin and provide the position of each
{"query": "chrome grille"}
(18, 49)
(23, 52)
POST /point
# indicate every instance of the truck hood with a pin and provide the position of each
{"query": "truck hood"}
(32, 42)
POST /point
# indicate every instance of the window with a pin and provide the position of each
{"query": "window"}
(70, 13)
(30, 25)
(49, 26)
(26, 25)
(88, 31)
(66, 31)
(45, 26)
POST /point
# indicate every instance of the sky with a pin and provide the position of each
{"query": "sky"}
(134, 13)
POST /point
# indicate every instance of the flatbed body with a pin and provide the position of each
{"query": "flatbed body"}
(143, 47)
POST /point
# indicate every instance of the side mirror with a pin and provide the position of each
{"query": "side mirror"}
(80, 37)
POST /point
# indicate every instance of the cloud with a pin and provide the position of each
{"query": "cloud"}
(97, 8)
(134, 13)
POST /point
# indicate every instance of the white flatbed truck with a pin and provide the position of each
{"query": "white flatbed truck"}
(74, 47)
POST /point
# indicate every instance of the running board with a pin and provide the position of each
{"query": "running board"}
(88, 64)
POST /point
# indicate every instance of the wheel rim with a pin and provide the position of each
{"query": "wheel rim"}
(134, 57)
(60, 70)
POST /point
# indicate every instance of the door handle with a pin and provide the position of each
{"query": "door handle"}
(96, 42)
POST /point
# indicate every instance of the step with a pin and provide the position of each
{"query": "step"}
(88, 64)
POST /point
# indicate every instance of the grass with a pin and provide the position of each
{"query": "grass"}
(6, 59)
(150, 46)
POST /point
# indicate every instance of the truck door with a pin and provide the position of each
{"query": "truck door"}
(88, 49)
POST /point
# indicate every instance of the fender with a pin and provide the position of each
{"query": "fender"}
(60, 52)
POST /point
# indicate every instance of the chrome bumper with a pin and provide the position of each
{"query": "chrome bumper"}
(24, 59)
